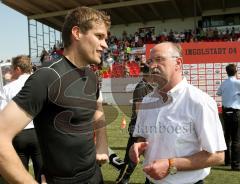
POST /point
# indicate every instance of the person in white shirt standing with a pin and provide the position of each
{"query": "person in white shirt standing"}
(230, 92)
(25, 143)
(178, 127)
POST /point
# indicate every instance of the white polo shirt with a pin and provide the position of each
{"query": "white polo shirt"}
(11, 89)
(184, 125)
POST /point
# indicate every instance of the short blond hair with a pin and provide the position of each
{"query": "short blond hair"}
(83, 17)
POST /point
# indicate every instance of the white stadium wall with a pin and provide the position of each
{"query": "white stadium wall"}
(119, 91)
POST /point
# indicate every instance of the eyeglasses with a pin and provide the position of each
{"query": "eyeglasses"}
(161, 59)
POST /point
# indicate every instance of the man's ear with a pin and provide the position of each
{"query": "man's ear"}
(18, 70)
(76, 32)
(179, 61)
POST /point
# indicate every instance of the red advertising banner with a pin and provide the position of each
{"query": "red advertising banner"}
(204, 52)
(148, 50)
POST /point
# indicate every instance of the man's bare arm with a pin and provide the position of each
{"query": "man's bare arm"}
(101, 135)
(158, 169)
(200, 160)
(12, 120)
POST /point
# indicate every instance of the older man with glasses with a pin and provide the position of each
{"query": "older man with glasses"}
(178, 127)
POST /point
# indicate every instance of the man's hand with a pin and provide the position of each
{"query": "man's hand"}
(157, 169)
(101, 158)
(136, 150)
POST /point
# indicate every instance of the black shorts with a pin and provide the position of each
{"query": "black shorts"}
(91, 176)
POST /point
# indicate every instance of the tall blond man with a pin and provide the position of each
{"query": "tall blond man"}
(62, 100)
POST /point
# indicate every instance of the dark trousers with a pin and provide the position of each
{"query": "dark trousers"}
(199, 182)
(131, 141)
(129, 166)
(231, 119)
(26, 146)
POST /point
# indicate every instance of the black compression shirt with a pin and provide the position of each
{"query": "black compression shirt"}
(62, 100)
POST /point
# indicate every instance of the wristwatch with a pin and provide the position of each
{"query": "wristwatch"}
(172, 168)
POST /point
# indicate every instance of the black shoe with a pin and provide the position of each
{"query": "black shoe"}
(227, 164)
(235, 166)
(116, 162)
(235, 169)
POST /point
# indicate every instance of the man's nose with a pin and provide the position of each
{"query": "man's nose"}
(104, 44)
(153, 65)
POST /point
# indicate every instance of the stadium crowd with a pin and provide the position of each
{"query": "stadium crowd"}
(125, 54)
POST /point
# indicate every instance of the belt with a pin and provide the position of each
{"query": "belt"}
(230, 109)
(79, 178)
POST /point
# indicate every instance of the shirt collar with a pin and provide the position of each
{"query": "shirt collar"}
(177, 89)
(174, 92)
(24, 75)
(232, 77)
